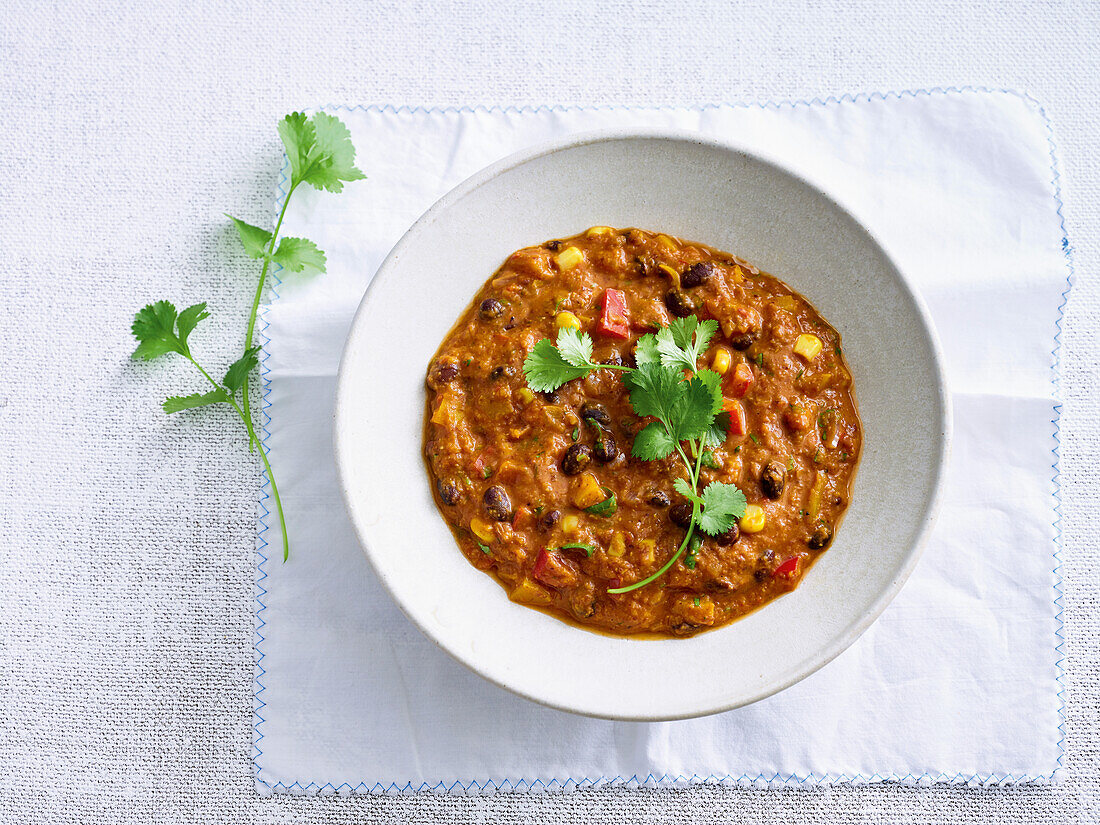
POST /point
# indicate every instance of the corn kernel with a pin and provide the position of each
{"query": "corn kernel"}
(567, 319)
(570, 525)
(721, 361)
(598, 230)
(525, 395)
(668, 243)
(587, 491)
(617, 546)
(808, 346)
(568, 258)
(482, 529)
(754, 519)
(528, 592)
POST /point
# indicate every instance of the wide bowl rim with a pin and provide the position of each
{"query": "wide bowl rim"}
(931, 506)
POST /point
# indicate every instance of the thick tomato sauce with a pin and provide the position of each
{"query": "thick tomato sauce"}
(495, 449)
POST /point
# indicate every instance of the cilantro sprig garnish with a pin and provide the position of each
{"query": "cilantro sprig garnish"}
(683, 402)
(320, 152)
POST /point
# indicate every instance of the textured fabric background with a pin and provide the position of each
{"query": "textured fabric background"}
(126, 537)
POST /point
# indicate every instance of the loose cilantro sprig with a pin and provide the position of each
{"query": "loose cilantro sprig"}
(320, 152)
(686, 411)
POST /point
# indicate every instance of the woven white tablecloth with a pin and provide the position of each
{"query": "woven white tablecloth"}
(126, 538)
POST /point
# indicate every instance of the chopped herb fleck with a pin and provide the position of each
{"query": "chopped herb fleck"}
(790, 465)
(576, 433)
(485, 549)
(467, 362)
(488, 471)
(817, 456)
(755, 439)
(695, 601)
(799, 375)
(759, 359)
(710, 461)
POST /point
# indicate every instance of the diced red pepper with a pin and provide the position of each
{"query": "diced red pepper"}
(553, 570)
(738, 423)
(741, 380)
(787, 569)
(614, 318)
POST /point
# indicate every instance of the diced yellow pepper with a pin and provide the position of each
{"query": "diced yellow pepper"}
(482, 529)
(570, 525)
(529, 592)
(721, 361)
(568, 258)
(808, 346)
(813, 506)
(649, 550)
(525, 395)
(754, 519)
(669, 271)
(587, 491)
(668, 243)
(598, 230)
(738, 275)
(786, 302)
(617, 546)
(566, 319)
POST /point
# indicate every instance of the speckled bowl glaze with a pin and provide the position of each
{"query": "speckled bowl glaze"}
(703, 191)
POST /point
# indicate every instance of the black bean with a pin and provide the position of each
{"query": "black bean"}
(646, 266)
(442, 373)
(821, 537)
(511, 323)
(549, 521)
(553, 246)
(772, 479)
(743, 341)
(762, 574)
(490, 308)
(605, 449)
(551, 397)
(502, 372)
(497, 503)
(448, 492)
(679, 304)
(680, 514)
(595, 415)
(576, 459)
(696, 275)
(658, 498)
(729, 537)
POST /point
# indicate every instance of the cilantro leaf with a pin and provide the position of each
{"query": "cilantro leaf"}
(238, 371)
(298, 254)
(718, 431)
(319, 150)
(189, 319)
(683, 342)
(646, 351)
(546, 370)
(694, 411)
(653, 442)
(723, 505)
(575, 347)
(684, 488)
(654, 390)
(300, 141)
(253, 238)
(160, 330)
(178, 403)
(335, 147)
(154, 327)
(605, 508)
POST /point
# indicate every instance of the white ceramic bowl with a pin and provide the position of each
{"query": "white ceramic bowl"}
(702, 191)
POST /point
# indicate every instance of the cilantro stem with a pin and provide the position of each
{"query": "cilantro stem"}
(247, 412)
(263, 452)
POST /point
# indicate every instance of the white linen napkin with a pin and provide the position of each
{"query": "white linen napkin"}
(958, 680)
